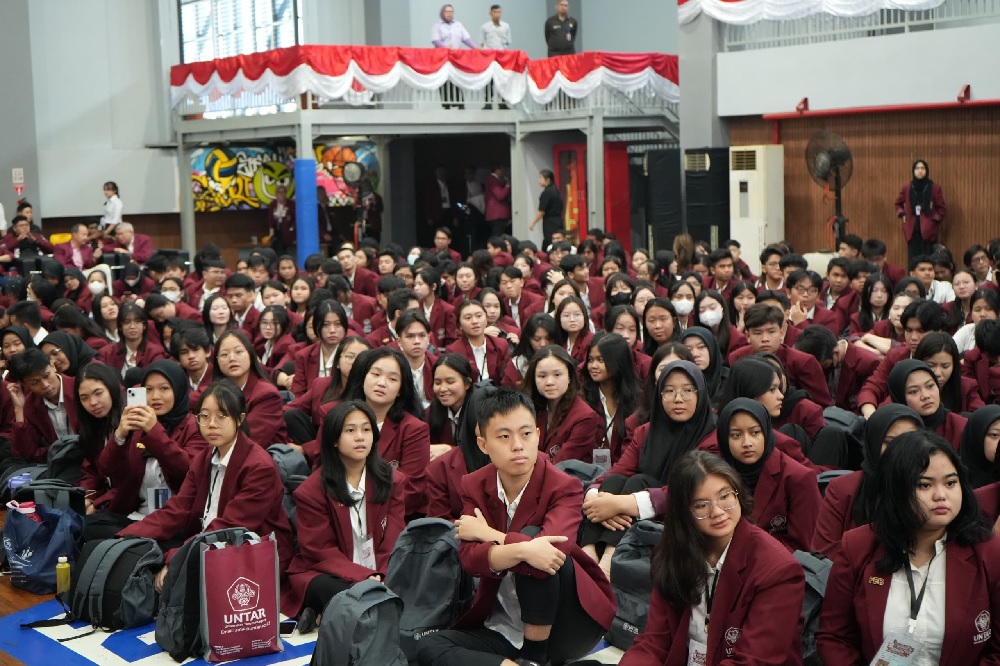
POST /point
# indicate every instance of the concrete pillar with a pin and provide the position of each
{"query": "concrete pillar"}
(700, 41)
(520, 210)
(595, 174)
(189, 240)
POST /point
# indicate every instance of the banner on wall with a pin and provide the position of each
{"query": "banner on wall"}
(247, 177)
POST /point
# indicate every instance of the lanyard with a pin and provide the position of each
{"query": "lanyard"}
(211, 494)
(916, 600)
(710, 597)
(356, 508)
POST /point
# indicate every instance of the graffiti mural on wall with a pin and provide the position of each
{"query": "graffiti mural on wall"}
(246, 177)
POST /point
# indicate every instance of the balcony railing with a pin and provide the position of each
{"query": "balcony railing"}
(820, 28)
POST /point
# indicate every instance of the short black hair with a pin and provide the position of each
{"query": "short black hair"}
(513, 273)
(800, 274)
(837, 262)
(26, 312)
(988, 337)
(853, 241)
(410, 317)
(918, 259)
(255, 260)
(239, 281)
(313, 262)
(761, 314)
(873, 247)
(715, 256)
(817, 341)
(390, 283)
(192, 337)
(281, 286)
(770, 251)
(399, 300)
(732, 242)
(929, 313)
(570, 262)
(338, 284)
(858, 266)
(548, 175)
(31, 361)
(771, 295)
(211, 262)
(154, 301)
(793, 259)
(331, 267)
(500, 403)
(444, 230)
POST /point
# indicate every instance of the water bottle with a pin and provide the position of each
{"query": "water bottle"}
(62, 576)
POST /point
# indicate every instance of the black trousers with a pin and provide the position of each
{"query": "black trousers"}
(917, 245)
(104, 525)
(301, 429)
(616, 484)
(549, 601)
(321, 589)
(550, 225)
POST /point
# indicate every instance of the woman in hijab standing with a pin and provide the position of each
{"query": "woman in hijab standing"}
(920, 205)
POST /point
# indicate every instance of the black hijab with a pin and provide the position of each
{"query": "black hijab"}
(77, 351)
(78, 274)
(22, 333)
(982, 472)
(749, 473)
(668, 440)
(897, 389)
(920, 189)
(713, 375)
(875, 430)
(179, 382)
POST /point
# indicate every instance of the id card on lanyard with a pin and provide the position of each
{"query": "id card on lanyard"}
(900, 649)
(602, 458)
(367, 543)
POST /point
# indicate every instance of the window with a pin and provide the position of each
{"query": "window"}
(220, 28)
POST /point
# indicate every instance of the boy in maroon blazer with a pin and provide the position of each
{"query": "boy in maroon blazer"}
(520, 304)
(803, 291)
(847, 366)
(44, 410)
(540, 597)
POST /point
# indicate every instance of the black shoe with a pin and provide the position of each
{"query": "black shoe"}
(307, 621)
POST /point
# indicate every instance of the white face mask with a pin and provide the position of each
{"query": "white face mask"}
(711, 318)
(172, 296)
(130, 282)
(96, 288)
(412, 258)
(683, 308)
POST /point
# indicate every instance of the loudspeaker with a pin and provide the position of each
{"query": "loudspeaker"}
(706, 182)
(663, 196)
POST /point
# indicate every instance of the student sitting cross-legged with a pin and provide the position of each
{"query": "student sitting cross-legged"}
(540, 598)
(349, 513)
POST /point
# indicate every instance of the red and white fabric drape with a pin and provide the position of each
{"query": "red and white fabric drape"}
(348, 72)
(745, 12)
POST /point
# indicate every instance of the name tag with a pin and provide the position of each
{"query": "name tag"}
(697, 653)
(602, 458)
(916, 210)
(368, 554)
(897, 650)
(156, 498)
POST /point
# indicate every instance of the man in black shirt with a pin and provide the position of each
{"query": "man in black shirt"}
(550, 207)
(561, 31)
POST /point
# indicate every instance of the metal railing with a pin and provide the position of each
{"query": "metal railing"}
(820, 28)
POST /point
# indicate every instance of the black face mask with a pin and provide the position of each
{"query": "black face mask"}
(619, 299)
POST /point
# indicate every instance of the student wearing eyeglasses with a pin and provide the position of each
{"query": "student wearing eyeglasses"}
(724, 591)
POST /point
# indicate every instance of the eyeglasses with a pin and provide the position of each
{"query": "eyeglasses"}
(806, 290)
(687, 393)
(727, 502)
(571, 315)
(239, 353)
(980, 259)
(266, 324)
(205, 419)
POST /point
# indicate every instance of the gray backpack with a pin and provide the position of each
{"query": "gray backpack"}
(631, 581)
(425, 572)
(113, 586)
(178, 622)
(360, 627)
(54, 494)
(288, 461)
(817, 569)
(65, 460)
(587, 473)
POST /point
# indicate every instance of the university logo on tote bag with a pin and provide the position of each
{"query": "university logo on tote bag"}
(239, 599)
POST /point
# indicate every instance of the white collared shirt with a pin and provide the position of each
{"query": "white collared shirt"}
(268, 348)
(152, 478)
(418, 386)
(41, 335)
(215, 488)
(941, 292)
(359, 517)
(57, 412)
(479, 353)
(505, 618)
(696, 627)
(514, 308)
(195, 385)
(931, 618)
(326, 364)
(204, 296)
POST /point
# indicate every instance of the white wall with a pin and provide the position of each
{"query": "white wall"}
(526, 19)
(97, 92)
(327, 22)
(630, 26)
(915, 68)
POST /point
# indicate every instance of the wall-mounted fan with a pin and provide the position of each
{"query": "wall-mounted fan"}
(830, 164)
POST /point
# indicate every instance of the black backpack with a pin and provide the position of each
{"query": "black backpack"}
(853, 426)
(54, 494)
(817, 570)
(631, 581)
(65, 460)
(424, 571)
(113, 583)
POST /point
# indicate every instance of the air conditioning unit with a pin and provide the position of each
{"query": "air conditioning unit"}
(756, 197)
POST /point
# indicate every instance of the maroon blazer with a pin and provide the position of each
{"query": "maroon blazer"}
(529, 304)
(265, 412)
(363, 309)
(326, 538)
(281, 352)
(850, 630)
(406, 446)
(642, 364)
(365, 282)
(989, 501)
(142, 248)
(444, 324)
(595, 292)
(579, 350)
(952, 429)
(12, 243)
(846, 305)
(114, 355)
(627, 465)
(497, 199)
(306, 368)
(553, 501)
(7, 412)
(971, 400)
(457, 298)
(893, 272)
(876, 387)
(497, 356)
(251, 497)
(512, 377)
(807, 414)
(125, 465)
(575, 437)
(249, 325)
(379, 337)
(822, 317)
(63, 253)
(929, 220)
(311, 402)
(141, 289)
(804, 371)
(786, 501)
(444, 485)
(708, 282)
(836, 515)
(758, 602)
(858, 365)
(203, 384)
(30, 440)
(979, 368)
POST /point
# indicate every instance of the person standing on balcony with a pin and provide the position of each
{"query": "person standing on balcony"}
(561, 31)
(495, 33)
(451, 34)
(920, 205)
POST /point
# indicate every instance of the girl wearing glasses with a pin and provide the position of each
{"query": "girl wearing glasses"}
(305, 414)
(134, 350)
(569, 428)
(349, 514)
(634, 487)
(329, 323)
(785, 495)
(922, 573)
(276, 338)
(724, 591)
(69, 354)
(232, 483)
(149, 447)
(571, 316)
(236, 361)
(539, 331)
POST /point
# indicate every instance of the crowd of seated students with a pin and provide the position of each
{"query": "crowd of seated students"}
(683, 369)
